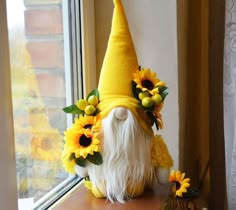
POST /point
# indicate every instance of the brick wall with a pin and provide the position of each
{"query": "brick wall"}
(44, 34)
(40, 169)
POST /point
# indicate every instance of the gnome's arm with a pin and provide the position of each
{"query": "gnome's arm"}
(161, 159)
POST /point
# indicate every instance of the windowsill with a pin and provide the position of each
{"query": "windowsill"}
(153, 199)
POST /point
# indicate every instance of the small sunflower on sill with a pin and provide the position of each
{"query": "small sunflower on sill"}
(182, 184)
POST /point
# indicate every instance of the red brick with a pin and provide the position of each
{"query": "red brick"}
(51, 85)
(43, 21)
(46, 54)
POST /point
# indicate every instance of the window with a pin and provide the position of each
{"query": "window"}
(45, 57)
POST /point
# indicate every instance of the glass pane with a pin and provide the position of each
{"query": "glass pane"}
(38, 91)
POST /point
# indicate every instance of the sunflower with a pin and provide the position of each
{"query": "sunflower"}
(68, 162)
(81, 142)
(146, 80)
(87, 122)
(46, 145)
(181, 183)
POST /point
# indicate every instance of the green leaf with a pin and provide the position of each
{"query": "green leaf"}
(162, 88)
(80, 161)
(153, 119)
(156, 124)
(96, 112)
(164, 91)
(87, 178)
(135, 90)
(93, 92)
(73, 109)
(191, 193)
(140, 105)
(72, 156)
(96, 158)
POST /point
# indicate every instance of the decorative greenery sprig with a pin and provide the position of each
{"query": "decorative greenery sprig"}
(96, 159)
(86, 106)
(151, 93)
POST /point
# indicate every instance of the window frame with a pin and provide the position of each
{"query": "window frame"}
(88, 45)
(8, 190)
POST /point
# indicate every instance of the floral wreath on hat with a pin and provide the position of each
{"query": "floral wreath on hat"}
(81, 139)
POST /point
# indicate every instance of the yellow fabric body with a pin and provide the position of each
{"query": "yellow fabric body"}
(135, 190)
(160, 154)
(132, 192)
(96, 192)
(119, 65)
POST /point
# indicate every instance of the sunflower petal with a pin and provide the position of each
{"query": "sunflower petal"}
(179, 193)
(178, 177)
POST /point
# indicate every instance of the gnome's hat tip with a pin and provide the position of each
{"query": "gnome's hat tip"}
(119, 65)
(116, 2)
(120, 61)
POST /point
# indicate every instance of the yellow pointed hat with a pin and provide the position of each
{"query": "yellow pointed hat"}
(119, 65)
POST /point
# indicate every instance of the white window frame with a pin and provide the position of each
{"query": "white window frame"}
(8, 189)
(88, 45)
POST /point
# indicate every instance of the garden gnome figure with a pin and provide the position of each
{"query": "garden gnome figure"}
(127, 139)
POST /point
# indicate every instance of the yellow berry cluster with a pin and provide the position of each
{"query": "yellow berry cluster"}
(88, 106)
(149, 100)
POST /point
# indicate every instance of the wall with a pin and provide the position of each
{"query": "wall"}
(153, 28)
(44, 32)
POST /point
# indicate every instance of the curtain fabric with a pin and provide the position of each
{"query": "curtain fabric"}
(230, 101)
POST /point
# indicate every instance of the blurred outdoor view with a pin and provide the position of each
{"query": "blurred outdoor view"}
(38, 94)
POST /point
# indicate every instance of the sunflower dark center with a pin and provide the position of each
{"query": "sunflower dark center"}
(84, 141)
(147, 84)
(46, 144)
(88, 126)
(177, 185)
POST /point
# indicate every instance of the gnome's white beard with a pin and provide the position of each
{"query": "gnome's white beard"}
(126, 151)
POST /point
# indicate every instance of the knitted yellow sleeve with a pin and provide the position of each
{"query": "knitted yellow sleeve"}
(160, 153)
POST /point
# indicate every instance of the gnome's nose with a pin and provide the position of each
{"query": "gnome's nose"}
(121, 113)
